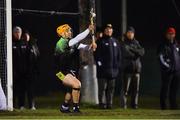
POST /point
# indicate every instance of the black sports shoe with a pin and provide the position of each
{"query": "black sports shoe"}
(135, 107)
(102, 106)
(64, 109)
(76, 109)
(109, 106)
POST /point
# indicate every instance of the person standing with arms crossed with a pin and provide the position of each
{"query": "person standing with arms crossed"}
(132, 51)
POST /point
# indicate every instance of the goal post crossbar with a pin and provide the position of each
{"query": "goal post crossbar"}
(20, 10)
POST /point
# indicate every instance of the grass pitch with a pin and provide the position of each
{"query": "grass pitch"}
(48, 108)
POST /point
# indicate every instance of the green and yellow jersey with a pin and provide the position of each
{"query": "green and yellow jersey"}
(66, 57)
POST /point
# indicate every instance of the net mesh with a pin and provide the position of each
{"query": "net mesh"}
(3, 38)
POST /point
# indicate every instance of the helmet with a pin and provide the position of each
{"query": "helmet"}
(62, 28)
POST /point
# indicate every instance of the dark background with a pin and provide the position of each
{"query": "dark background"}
(149, 17)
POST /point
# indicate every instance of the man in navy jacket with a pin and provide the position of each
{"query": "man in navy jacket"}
(108, 60)
(169, 59)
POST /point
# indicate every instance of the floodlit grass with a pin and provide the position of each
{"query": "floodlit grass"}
(48, 108)
(91, 114)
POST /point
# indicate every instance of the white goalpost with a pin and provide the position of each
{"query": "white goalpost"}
(6, 73)
(9, 55)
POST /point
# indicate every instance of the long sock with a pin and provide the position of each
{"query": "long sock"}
(75, 104)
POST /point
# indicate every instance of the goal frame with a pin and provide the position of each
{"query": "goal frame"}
(9, 85)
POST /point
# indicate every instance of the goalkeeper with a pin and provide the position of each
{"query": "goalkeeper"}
(67, 52)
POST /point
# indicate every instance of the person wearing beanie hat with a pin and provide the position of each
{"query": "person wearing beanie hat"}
(132, 52)
(33, 68)
(169, 59)
(108, 61)
(20, 66)
(17, 33)
(67, 56)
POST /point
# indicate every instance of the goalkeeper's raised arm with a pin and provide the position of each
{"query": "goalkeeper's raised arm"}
(81, 36)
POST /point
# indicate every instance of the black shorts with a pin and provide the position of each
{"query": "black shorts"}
(72, 72)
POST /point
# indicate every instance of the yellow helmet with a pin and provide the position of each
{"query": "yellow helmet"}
(62, 28)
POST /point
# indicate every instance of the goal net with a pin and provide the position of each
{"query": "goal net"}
(6, 51)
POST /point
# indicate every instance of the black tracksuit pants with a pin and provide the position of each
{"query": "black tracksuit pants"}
(23, 86)
(106, 91)
(169, 88)
(130, 80)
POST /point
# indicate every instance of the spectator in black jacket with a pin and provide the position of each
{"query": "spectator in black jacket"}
(20, 65)
(169, 58)
(108, 59)
(131, 52)
(32, 67)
